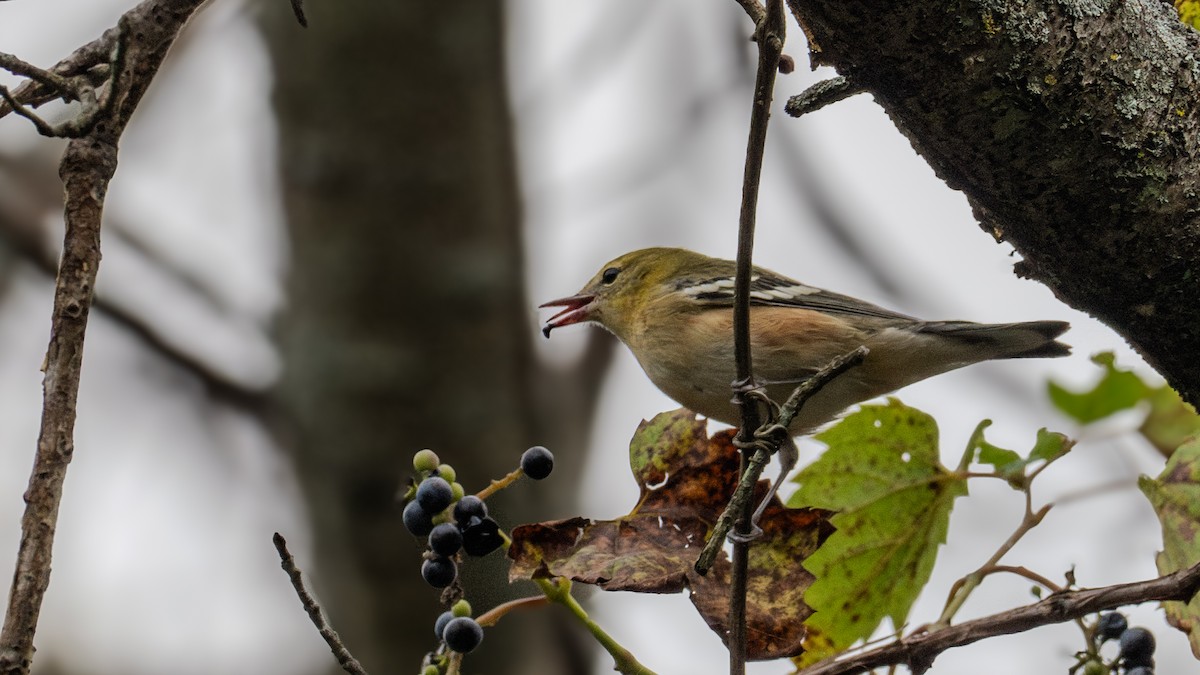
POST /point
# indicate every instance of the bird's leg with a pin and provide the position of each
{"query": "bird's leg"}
(789, 454)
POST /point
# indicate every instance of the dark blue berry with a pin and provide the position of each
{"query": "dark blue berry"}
(417, 520)
(439, 626)
(462, 634)
(1140, 670)
(467, 507)
(482, 538)
(537, 462)
(1110, 626)
(445, 539)
(434, 495)
(439, 572)
(1137, 647)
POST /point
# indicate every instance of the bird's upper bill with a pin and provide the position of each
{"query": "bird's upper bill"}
(575, 309)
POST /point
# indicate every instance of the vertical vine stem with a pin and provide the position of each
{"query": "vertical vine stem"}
(769, 34)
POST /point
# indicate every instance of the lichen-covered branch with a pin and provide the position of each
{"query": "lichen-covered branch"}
(1074, 131)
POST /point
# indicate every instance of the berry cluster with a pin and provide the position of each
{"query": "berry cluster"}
(453, 521)
(1136, 656)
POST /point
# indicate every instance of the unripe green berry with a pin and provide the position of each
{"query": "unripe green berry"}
(456, 491)
(461, 608)
(446, 471)
(431, 670)
(425, 460)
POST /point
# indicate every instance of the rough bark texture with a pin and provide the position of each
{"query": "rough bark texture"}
(1073, 127)
(408, 324)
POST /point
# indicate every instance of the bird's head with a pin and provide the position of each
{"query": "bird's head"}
(619, 293)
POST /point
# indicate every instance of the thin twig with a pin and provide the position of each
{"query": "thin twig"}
(81, 63)
(48, 78)
(918, 651)
(298, 10)
(43, 127)
(769, 33)
(821, 94)
(344, 658)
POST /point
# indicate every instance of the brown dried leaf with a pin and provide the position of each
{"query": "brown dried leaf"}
(686, 478)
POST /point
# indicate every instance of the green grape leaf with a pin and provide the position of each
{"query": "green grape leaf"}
(1117, 390)
(883, 476)
(1175, 496)
(685, 478)
(1009, 464)
(1171, 420)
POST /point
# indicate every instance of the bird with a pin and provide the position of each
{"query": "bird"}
(673, 309)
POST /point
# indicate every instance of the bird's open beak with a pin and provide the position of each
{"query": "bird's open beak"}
(575, 310)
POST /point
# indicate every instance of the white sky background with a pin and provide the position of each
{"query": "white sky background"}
(632, 122)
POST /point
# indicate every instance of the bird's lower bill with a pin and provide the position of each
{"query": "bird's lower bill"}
(575, 310)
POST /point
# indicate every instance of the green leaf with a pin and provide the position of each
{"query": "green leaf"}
(1171, 421)
(1010, 465)
(1117, 390)
(1175, 496)
(1005, 462)
(883, 475)
(1050, 446)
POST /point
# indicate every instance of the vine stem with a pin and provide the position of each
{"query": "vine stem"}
(769, 32)
(558, 591)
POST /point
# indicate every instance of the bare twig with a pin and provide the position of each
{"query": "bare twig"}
(47, 78)
(87, 63)
(821, 94)
(344, 658)
(88, 165)
(43, 127)
(298, 10)
(918, 651)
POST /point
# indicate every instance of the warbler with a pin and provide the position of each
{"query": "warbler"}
(673, 308)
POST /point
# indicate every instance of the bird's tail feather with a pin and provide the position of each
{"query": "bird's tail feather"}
(1028, 339)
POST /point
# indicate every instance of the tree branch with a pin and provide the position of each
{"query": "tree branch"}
(88, 165)
(918, 651)
(1073, 130)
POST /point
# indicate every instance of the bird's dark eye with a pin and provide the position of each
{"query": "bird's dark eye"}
(610, 275)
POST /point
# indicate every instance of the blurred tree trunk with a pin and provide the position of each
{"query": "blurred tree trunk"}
(408, 326)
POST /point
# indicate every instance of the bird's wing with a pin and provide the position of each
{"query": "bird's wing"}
(767, 288)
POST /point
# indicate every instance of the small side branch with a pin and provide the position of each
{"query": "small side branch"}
(918, 651)
(821, 94)
(344, 658)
